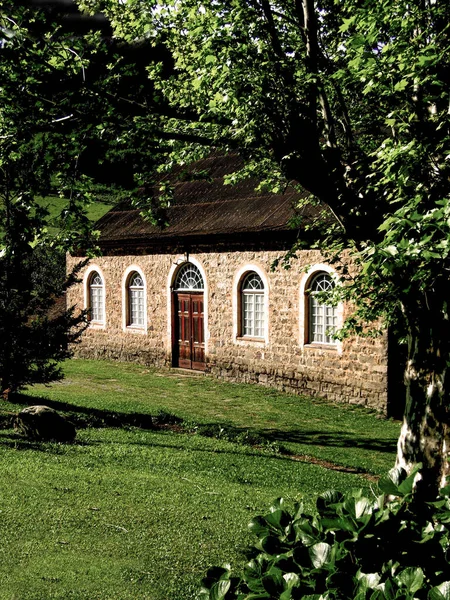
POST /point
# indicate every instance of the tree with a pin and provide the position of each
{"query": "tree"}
(62, 131)
(348, 100)
(41, 141)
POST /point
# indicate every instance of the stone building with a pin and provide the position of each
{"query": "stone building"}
(202, 294)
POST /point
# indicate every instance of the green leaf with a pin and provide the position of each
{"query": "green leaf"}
(341, 523)
(253, 576)
(273, 583)
(219, 590)
(271, 544)
(440, 592)
(368, 581)
(277, 504)
(305, 533)
(401, 85)
(392, 250)
(363, 507)
(346, 24)
(278, 519)
(329, 501)
(444, 588)
(389, 590)
(406, 486)
(258, 526)
(412, 578)
(320, 554)
(218, 572)
(291, 579)
(427, 59)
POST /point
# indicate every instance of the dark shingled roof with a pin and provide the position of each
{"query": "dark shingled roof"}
(205, 207)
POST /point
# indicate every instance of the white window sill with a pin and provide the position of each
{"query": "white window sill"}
(135, 329)
(248, 338)
(321, 346)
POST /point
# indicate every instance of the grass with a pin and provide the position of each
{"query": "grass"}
(352, 435)
(129, 513)
(55, 205)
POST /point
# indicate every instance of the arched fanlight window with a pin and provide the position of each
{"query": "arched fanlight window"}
(189, 278)
(136, 300)
(252, 306)
(322, 317)
(96, 298)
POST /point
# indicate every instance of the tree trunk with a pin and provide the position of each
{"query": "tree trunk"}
(424, 434)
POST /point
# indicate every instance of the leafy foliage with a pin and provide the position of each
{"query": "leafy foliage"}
(38, 151)
(35, 327)
(354, 547)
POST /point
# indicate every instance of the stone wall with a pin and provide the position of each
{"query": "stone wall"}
(354, 371)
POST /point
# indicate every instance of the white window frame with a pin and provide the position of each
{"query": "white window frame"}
(305, 317)
(252, 303)
(188, 289)
(319, 314)
(126, 299)
(94, 323)
(237, 301)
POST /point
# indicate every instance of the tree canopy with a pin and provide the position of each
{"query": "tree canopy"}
(48, 123)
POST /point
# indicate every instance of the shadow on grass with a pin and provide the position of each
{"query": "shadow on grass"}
(342, 439)
(280, 456)
(267, 439)
(19, 442)
(81, 416)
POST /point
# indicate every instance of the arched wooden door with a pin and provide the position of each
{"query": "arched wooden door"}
(188, 338)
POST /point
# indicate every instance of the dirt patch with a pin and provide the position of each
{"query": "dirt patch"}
(326, 464)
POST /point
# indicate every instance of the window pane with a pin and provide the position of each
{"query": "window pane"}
(96, 298)
(252, 282)
(189, 278)
(136, 300)
(322, 317)
(259, 315)
(248, 314)
(252, 300)
(137, 307)
(252, 314)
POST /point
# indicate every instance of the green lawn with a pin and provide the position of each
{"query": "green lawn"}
(55, 204)
(130, 513)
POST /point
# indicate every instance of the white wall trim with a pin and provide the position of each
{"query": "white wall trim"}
(176, 265)
(237, 279)
(124, 285)
(303, 299)
(86, 294)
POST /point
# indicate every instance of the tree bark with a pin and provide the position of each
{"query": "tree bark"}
(424, 434)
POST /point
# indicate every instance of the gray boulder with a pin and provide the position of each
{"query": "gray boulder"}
(44, 423)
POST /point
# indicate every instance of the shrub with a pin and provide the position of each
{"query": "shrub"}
(378, 548)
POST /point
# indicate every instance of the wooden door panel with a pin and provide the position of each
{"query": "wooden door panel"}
(183, 331)
(198, 338)
(189, 336)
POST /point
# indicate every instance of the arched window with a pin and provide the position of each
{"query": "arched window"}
(323, 317)
(96, 298)
(189, 278)
(252, 306)
(136, 300)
